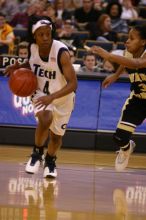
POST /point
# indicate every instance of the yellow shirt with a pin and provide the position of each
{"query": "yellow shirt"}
(4, 33)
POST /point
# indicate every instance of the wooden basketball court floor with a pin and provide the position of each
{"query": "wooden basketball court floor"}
(87, 187)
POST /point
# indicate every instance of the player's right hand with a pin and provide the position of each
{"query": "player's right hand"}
(11, 68)
(109, 80)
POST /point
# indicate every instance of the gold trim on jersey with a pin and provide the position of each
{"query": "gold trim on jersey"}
(142, 95)
(137, 77)
(126, 127)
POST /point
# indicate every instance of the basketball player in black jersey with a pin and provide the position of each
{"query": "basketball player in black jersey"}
(134, 110)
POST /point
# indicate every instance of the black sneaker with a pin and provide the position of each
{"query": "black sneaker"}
(50, 167)
(34, 162)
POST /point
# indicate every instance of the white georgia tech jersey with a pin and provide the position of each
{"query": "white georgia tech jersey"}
(48, 73)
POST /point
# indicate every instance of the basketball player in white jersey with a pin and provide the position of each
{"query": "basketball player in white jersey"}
(54, 98)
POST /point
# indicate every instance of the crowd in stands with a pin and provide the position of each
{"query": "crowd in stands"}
(77, 21)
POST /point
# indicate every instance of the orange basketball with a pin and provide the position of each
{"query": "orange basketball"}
(23, 82)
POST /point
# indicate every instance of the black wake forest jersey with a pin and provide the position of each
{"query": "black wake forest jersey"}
(138, 79)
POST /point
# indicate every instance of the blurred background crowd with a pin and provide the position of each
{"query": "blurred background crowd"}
(78, 23)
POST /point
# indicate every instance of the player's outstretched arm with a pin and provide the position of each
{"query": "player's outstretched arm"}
(112, 77)
(132, 63)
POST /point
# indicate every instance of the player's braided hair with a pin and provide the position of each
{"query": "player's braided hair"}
(142, 30)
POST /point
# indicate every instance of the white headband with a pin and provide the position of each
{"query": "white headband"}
(41, 23)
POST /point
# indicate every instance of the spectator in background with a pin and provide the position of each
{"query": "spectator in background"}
(7, 36)
(50, 12)
(22, 49)
(22, 5)
(102, 31)
(86, 14)
(100, 4)
(61, 12)
(90, 66)
(128, 12)
(108, 67)
(71, 5)
(114, 10)
(67, 35)
(9, 8)
(21, 19)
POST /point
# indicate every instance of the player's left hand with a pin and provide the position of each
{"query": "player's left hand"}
(11, 68)
(44, 100)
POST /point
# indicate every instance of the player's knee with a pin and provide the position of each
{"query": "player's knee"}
(121, 137)
(45, 119)
(56, 139)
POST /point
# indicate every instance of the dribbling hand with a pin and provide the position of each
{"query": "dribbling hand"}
(11, 68)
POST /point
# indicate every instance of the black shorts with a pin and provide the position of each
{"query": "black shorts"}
(133, 113)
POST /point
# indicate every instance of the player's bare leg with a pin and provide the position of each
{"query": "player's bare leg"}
(41, 135)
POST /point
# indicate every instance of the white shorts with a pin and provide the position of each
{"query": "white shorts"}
(61, 109)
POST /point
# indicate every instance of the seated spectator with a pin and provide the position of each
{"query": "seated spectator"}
(71, 5)
(22, 49)
(142, 2)
(114, 10)
(61, 12)
(50, 12)
(22, 5)
(108, 67)
(103, 30)
(90, 66)
(9, 8)
(6, 34)
(21, 19)
(67, 35)
(86, 14)
(128, 12)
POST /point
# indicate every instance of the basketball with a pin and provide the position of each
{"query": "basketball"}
(23, 82)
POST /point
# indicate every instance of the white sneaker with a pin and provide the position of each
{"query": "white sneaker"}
(50, 173)
(122, 158)
(50, 167)
(34, 163)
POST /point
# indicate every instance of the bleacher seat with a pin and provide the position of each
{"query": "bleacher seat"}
(80, 53)
(105, 45)
(138, 21)
(83, 35)
(22, 33)
(79, 61)
(122, 37)
(120, 46)
(4, 49)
